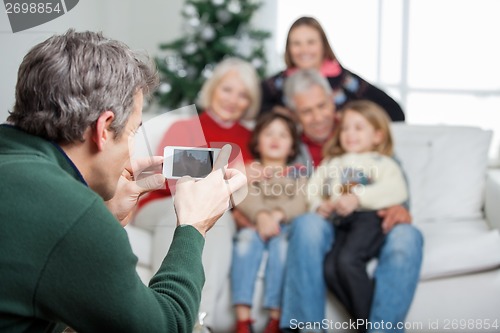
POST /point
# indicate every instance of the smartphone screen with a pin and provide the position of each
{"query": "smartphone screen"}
(194, 163)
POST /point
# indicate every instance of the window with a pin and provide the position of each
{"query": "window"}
(439, 59)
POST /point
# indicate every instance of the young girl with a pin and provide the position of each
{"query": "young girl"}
(275, 197)
(357, 177)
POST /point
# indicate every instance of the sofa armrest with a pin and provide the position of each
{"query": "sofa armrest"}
(492, 206)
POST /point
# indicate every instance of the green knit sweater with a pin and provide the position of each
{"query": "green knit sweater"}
(65, 259)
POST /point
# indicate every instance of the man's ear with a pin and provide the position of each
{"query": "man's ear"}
(102, 132)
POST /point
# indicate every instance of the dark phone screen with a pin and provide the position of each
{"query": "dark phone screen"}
(194, 163)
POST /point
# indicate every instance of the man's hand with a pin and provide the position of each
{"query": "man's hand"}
(346, 204)
(129, 189)
(201, 203)
(392, 216)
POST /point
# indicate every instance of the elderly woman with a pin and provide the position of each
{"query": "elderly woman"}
(308, 48)
(230, 95)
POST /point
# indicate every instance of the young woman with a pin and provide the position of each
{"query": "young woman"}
(307, 47)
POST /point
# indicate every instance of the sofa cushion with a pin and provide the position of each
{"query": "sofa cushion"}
(414, 156)
(457, 247)
(446, 168)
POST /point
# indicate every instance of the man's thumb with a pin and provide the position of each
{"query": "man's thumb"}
(150, 183)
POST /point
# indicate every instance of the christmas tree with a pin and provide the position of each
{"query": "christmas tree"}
(214, 29)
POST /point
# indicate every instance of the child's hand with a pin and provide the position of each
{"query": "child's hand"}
(267, 225)
(278, 215)
(346, 204)
(326, 208)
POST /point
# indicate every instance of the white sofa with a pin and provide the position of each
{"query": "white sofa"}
(454, 202)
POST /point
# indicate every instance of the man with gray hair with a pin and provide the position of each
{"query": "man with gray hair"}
(67, 183)
(309, 96)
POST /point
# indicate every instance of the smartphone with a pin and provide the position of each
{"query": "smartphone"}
(188, 161)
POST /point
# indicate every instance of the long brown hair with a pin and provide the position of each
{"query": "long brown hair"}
(313, 23)
(375, 115)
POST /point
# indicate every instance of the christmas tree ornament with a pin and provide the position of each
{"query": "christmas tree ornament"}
(194, 22)
(208, 71)
(234, 7)
(190, 48)
(208, 33)
(223, 16)
(231, 41)
(172, 62)
(191, 71)
(257, 63)
(164, 88)
(189, 10)
(244, 45)
(182, 72)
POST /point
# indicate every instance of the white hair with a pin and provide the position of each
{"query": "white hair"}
(302, 81)
(247, 74)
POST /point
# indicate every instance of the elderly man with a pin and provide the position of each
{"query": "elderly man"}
(309, 97)
(67, 183)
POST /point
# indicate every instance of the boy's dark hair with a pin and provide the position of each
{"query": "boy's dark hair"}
(264, 121)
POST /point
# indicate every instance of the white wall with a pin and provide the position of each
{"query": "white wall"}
(141, 24)
(265, 19)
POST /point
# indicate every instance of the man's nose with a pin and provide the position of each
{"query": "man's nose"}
(318, 116)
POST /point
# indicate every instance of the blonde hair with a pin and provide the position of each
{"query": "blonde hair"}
(375, 115)
(248, 76)
(312, 23)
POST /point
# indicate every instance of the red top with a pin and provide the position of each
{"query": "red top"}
(315, 150)
(203, 131)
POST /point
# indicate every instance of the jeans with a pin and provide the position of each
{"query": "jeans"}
(397, 273)
(247, 256)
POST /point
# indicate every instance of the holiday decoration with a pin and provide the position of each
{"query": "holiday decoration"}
(213, 30)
